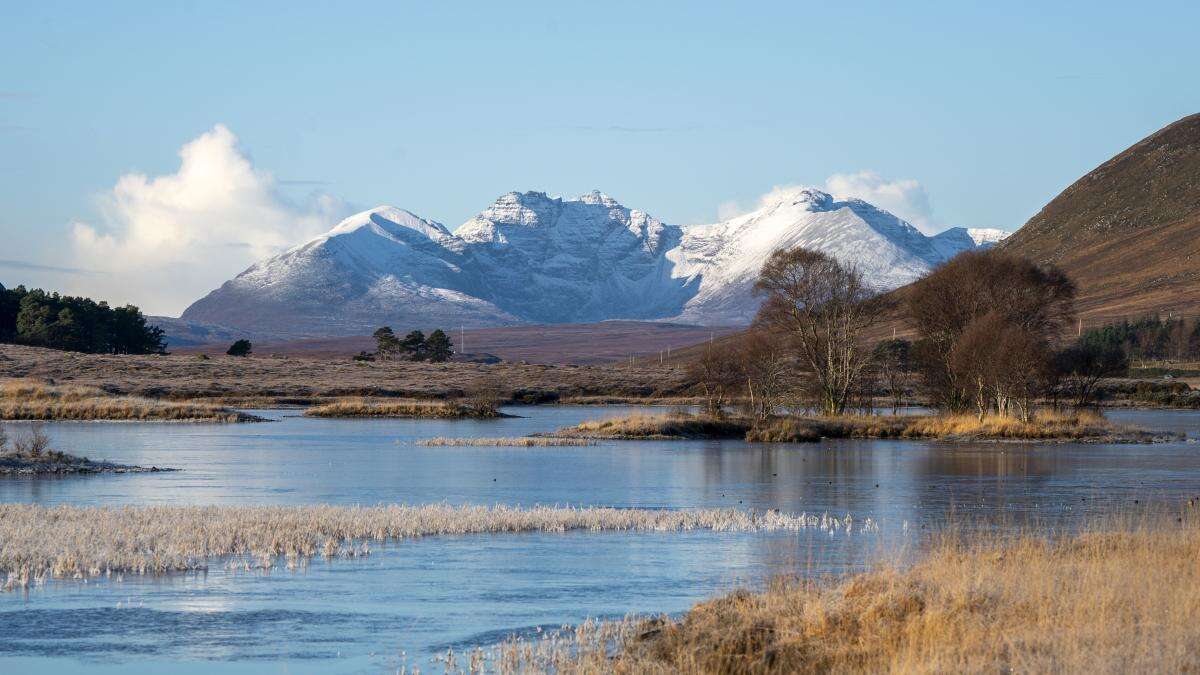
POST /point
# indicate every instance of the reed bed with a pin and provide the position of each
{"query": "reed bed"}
(1114, 599)
(657, 427)
(406, 408)
(1045, 426)
(518, 442)
(28, 400)
(38, 543)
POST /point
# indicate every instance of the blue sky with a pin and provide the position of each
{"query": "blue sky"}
(679, 109)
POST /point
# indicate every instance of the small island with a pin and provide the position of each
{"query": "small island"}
(30, 455)
(478, 406)
(1043, 427)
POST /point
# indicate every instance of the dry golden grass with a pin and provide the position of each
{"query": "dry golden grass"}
(519, 442)
(1116, 599)
(1047, 426)
(1044, 425)
(657, 427)
(365, 407)
(29, 400)
(39, 543)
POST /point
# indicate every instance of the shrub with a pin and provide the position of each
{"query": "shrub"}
(239, 348)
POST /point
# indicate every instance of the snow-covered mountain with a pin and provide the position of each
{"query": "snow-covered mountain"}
(532, 258)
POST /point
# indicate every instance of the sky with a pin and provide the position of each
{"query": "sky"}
(150, 151)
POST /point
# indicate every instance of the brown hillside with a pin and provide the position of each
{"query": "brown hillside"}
(1129, 231)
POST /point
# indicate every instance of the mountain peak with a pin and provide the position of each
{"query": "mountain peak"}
(804, 196)
(388, 220)
(598, 197)
(534, 258)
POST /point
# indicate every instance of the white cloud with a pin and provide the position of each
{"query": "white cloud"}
(166, 241)
(905, 198)
(728, 210)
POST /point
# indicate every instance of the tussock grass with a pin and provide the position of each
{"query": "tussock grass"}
(30, 400)
(365, 407)
(1047, 426)
(39, 543)
(1116, 599)
(657, 427)
(519, 442)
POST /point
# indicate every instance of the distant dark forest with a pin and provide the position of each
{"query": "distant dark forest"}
(41, 319)
(1149, 338)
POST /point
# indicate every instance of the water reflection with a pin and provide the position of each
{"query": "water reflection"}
(421, 596)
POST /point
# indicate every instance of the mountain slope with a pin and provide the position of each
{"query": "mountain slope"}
(1128, 232)
(532, 258)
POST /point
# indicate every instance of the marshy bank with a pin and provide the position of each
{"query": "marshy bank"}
(43, 543)
(35, 401)
(1044, 427)
(1113, 599)
(405, 409)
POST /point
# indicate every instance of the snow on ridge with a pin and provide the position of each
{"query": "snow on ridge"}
(535, 258)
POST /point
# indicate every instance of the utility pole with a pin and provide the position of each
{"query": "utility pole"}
(462, 338)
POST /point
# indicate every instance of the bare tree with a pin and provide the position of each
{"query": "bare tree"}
(825, 308)
(1005, 367)
(718, 374)
(893, 363)
(485, 395)
(768, 372)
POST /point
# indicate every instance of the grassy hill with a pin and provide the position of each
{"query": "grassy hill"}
(1129, 231)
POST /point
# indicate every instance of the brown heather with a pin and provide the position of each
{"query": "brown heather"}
(1119, 598)
(268, 379)
(28, 400)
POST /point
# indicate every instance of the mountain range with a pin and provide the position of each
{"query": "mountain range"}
(530, 258)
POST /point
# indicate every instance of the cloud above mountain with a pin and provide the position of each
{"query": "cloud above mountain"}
(164, 240)
(905, 197)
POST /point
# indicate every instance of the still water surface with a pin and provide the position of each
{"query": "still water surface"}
(406, 603)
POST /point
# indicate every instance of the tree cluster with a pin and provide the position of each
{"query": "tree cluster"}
(1149, 338)
(415, 346)
(41, 319)
(988, 326)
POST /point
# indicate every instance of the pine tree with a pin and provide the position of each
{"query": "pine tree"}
(438, 347)
(387, 345)
(413, 346)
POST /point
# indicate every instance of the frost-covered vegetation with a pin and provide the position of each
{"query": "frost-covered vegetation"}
(518, 442)
(41, 543)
